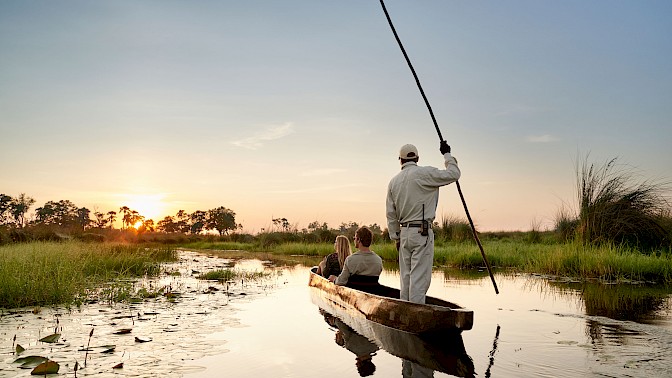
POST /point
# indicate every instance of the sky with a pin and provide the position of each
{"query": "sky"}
(297, 109)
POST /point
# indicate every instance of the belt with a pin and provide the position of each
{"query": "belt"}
(410, 224)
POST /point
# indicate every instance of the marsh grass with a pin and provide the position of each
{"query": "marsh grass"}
(47, 273)
(614, 207)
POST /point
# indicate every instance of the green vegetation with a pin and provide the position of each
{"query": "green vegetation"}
(45, 273)
(223, 275)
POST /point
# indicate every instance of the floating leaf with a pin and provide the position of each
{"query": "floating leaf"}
(29, 362)
(123, 331)
(141, 339)
(118, 366)
(51, 338)
(48, 367)
(108, 348)
(19, 349)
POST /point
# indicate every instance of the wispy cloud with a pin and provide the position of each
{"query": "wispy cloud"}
(542, 138)
(269, 133)
(317, 189)
(322, 172)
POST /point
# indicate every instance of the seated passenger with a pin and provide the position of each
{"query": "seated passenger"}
(361, 269)
(332, 264)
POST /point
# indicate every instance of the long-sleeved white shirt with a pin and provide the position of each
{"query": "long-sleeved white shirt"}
(414, 186)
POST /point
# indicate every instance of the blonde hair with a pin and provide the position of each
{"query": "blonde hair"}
(342, 248)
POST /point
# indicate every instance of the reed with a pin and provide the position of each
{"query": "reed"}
(47, 273)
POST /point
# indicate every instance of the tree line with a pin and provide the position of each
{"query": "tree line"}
(65, 215)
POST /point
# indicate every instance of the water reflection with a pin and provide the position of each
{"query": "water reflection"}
(420, 356)
(639, 303)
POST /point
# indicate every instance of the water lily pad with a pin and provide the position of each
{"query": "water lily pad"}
(51, 338)
(567, 342)
(19, 349)
(123, 331)
(47, 367)
(118, 366)
(29, 362)
(142, 339)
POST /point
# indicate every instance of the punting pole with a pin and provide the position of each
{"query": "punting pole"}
(436, 126)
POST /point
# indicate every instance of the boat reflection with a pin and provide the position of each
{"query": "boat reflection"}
(421, 355)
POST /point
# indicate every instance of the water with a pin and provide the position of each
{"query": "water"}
(535, 327)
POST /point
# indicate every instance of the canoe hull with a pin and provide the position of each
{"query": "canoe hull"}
(435, 315)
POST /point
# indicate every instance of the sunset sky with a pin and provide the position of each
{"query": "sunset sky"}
(297, 108)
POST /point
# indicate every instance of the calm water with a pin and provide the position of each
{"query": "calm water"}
(535, 327)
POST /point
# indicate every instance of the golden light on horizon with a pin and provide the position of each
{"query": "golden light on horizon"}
(137, 225)
(150, 206)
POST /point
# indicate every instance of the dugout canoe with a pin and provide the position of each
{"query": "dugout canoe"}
(387, 309)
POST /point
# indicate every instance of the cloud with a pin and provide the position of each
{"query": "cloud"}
(269, 133)
(542, 138)
(322, 172)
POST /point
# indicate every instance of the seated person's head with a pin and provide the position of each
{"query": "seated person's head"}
(364, 235)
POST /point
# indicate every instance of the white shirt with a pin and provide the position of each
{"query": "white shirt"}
(413, 187)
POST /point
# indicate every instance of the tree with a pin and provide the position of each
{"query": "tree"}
(168, 225)
(5, 207)
(281, 223)
(198, 220)
(221, 219)
(19, 208)
(111, 217)
(182, 219)
(100, 220)
(62, 214)
(83, 219)
(126, 213)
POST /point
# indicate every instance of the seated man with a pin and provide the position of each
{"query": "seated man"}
(361, 269)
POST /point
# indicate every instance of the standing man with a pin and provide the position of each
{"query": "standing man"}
(412, 197)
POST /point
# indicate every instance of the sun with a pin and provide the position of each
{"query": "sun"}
(137, 225)
(150, 206)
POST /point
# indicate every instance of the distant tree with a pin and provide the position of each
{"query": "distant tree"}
(147, 226)
(282, 223)
(19, 208)
(198, 220)
(182, 219)
(63, 213)
(167, 225)
(83, 219)
(348, 229)
(100, 220)
(221, 219)
(111, 217)
(125, 212)
(5, 208)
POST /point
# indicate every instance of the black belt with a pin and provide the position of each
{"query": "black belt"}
(411, 224)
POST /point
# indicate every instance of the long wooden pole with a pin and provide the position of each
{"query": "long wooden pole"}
(438, 131)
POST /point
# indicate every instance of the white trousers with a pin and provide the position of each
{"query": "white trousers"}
(416, 257)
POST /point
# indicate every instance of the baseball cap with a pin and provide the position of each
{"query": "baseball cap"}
(408, 151)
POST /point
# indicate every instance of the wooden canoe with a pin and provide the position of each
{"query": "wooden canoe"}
(387, 309)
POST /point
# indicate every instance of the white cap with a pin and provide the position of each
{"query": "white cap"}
(408, 151)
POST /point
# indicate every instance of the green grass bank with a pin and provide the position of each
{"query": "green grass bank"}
(48, 273)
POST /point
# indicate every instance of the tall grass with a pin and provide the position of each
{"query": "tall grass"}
(614, 207)
(47, 273)
(607, 261)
